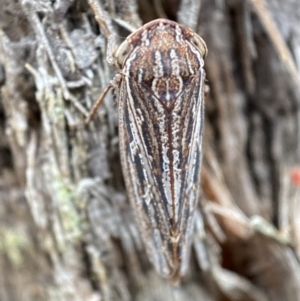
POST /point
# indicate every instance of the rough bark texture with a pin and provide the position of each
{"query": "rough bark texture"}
(66, 228)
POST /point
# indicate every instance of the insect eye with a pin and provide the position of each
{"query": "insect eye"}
(122, 53)
(200, 44)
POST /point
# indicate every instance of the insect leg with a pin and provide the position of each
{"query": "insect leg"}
(112, 84)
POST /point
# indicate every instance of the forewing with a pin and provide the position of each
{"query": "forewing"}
(161, 157)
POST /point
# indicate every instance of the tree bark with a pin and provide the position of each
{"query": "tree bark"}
(67, 231)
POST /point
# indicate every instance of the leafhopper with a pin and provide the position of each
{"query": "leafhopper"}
(160, 95)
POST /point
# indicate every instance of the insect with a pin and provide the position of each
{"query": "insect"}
(160, 94)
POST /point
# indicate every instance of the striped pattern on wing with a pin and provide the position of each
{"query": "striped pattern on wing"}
(161, 157)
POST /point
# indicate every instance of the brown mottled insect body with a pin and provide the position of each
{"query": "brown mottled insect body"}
(161, 101)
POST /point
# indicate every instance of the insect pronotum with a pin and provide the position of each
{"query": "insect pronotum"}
(160, 94)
